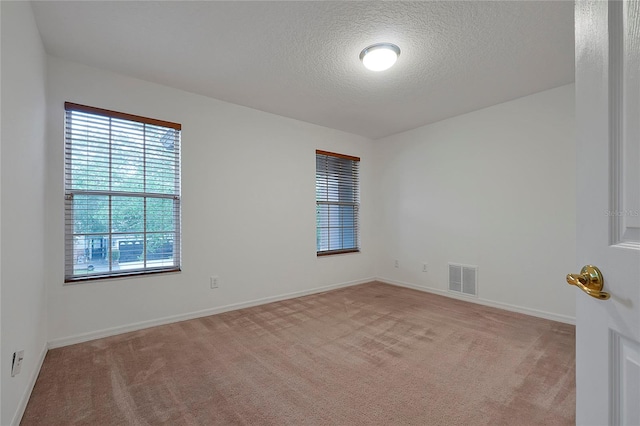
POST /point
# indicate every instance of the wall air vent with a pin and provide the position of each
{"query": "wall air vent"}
(463, 279)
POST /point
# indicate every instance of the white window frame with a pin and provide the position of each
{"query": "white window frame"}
(109, 263)
(337, 190)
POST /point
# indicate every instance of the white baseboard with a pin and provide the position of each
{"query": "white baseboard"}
(22, 405)
(85, 337)
(506, 306)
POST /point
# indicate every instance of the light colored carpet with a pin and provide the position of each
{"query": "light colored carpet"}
(363, 355)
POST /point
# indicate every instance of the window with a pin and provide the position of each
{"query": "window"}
(122, 194)
(337, 203)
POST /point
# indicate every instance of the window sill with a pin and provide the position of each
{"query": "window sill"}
(138, 274)
(332, 252)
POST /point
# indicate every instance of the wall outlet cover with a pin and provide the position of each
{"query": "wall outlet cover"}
(16, 363)
(214, 281)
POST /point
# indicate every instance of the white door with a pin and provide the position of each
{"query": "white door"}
(608, 215)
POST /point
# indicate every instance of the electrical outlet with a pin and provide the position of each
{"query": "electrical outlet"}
(213, 281)
(424, 267)
(396, 264)
(16, 363)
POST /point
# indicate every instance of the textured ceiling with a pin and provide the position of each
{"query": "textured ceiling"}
(300, 59)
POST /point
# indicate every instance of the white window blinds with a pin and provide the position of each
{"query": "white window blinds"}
(337, 203)
(122, 194)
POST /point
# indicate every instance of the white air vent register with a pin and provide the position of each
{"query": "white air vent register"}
(463, 279)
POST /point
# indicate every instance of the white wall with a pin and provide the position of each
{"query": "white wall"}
(248, 191)
(493, 188)
(23, 205)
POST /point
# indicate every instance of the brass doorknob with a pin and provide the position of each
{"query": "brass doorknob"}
(590, 281)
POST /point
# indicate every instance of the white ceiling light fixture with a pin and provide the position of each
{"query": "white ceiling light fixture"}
(380, 56)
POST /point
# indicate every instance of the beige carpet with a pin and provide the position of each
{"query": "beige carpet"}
(364, 355)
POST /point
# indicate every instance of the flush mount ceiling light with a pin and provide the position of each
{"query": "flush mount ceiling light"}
(380, 56)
